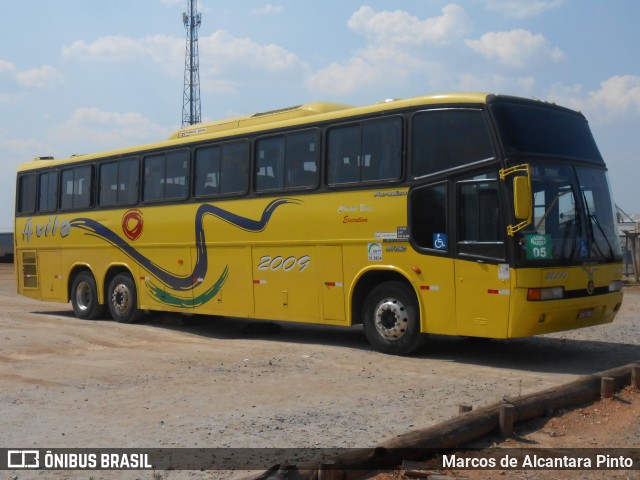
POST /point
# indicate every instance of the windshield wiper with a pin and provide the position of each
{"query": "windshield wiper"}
(594, 220)
(593, 217)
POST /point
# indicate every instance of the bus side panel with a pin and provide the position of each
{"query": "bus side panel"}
(285, 283)
(437, 294)
(50, 276)
(227, 288)
(152, 293)
(483, 293)
(331, 283)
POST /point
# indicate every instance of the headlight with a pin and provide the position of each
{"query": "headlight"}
(615, 286)
(540, 294)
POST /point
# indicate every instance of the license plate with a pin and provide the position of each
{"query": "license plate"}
(586, 313)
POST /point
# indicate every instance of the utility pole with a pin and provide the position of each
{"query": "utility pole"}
(191, 113)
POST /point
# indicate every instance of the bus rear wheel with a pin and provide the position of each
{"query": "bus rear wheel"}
(123, 299)
(391, 319)
(84, 297)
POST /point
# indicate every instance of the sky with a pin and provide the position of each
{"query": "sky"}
(83, 76)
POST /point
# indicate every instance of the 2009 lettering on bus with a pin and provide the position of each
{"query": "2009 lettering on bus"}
(267, 262)
(50, 229)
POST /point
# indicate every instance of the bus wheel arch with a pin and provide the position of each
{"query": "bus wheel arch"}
(121, 295)
(388, 307)
(83, 293)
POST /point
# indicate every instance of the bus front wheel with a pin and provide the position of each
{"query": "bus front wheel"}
(391, 319)
(123, 300)
(84, 297)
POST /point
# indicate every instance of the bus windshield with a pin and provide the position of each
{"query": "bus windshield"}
(545, 130)
(573, 217)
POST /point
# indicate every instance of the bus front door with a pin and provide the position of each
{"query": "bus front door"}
(481, 272)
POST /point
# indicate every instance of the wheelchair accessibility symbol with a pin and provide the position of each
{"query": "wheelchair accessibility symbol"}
(440, 241)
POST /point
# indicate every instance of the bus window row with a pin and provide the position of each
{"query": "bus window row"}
(368, 151)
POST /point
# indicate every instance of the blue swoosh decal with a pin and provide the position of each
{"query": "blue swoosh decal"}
(179, 282)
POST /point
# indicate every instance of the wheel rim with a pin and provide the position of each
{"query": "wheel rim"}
(121, 299)
(83, 296)
(391, 318)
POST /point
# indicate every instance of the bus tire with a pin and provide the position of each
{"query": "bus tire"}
(391, 319)
(123, 299)
(84, 297)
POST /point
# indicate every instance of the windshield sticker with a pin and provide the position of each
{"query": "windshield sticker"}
(538, 247)
(503, 271)
(584, 249)
(375, 252)
(440, 241)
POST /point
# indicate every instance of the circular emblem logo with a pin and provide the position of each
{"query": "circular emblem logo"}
(591, 287)
(132, 224)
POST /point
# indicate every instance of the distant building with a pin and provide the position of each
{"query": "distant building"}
(629, 231)
(6, 247)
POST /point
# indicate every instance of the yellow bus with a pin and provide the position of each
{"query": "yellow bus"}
(476, 215)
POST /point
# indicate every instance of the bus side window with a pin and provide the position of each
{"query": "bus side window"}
(177, 175)
(445, 139)
(153, 178)
(118, 183)
(26, 193)
(371, 151)
(128, 179)
(301, 160)
(166, 176)
(207, 171)
(48, 192)
(234, 168)
(76, 188)
(428, 217)
(382, 150)
(344, 155)
(108, 184)
(269, 163)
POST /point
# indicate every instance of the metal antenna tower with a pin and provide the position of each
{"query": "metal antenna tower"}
(191, 113)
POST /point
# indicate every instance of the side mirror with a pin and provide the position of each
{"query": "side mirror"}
(521, 198)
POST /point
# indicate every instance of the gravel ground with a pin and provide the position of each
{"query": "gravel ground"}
(211, 383)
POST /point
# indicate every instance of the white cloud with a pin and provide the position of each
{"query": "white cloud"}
(6, 67)
(268, 9)
(618, 97)
(22, 149)
(375, 65)
(496, 83)
(344, 78)
(40, 77)
(399, 27)
(220, 53)
(117, 48)
(92, 129)
(618, 94)
(522, 8)
(393, 54)
(517, 48)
